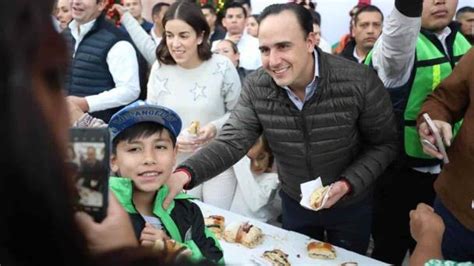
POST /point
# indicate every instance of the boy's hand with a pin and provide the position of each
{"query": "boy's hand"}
(114, 232)
(150, 234)
(176, 183)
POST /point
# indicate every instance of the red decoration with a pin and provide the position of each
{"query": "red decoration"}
(112, 14)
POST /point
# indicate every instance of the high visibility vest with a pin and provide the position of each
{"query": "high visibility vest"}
(431, 66)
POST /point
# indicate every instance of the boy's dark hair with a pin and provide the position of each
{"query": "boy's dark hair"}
(142, 129)
(192, 15)
(367, 8)
(157, 8)
(235, 5)
(305, 20)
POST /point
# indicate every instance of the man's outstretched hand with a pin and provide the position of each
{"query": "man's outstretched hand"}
(176, 183)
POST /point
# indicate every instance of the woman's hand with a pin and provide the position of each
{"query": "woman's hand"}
(206, 134)
(114, 232)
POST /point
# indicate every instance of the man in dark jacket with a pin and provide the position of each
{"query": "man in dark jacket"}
(322, 116)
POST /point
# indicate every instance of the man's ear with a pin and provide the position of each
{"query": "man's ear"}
(311, 41)
(113, 163)
(102, 4)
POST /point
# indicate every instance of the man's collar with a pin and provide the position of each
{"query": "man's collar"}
(83, 28)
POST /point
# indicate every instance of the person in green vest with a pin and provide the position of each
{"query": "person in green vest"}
(143, 156)
(419, 47)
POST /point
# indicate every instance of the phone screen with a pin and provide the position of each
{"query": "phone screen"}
(88, 162)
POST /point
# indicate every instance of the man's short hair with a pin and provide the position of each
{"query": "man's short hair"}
(462, 10)
(158, 7)
(366, 8)
(305, 20)
(210, 7)
(316, 17)
(235, 5)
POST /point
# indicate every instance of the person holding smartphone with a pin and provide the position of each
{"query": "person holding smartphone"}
(454, 187)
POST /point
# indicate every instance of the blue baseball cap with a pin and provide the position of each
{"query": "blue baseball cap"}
(141, 111)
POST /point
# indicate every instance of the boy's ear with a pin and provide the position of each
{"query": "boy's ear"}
(113, 163)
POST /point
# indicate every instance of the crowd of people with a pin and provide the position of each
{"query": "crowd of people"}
(238, 110)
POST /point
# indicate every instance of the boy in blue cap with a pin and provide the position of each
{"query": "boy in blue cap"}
(143, 156)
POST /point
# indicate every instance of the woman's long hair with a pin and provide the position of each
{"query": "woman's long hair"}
(37, 225)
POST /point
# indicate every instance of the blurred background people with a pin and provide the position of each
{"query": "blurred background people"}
(465, 16)
(217, 32)
(63, 13)
(252, 25)
(135, 8)
(228, 49)
(366, 29)
(235, 17)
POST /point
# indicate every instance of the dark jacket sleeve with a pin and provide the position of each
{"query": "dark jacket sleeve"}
(206, 244)
(237, 135)
(378, 130)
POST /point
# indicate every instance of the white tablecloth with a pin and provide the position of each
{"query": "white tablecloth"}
(292, 243)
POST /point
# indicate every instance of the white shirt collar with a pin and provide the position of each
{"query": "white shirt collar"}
(442, 38)
(356, 56)
(79, 31)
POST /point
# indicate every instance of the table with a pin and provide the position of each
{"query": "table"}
(292, 243)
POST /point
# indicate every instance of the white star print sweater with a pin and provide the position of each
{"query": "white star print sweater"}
(206, 93)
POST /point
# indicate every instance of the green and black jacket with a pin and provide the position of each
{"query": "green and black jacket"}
(182, 221)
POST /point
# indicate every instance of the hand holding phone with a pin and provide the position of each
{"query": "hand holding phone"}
(438, 140)
(88, 158)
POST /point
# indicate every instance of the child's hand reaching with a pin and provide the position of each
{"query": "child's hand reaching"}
(150, 234)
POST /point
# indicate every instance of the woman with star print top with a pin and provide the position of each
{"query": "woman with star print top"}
(199, 86)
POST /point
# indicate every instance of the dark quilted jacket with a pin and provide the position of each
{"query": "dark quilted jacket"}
(347, 129)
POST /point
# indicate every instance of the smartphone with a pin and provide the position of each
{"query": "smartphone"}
(439, 141)
(88, 162)
(426, 142)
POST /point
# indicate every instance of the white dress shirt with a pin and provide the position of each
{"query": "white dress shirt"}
(123, 66)
(145, 43)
